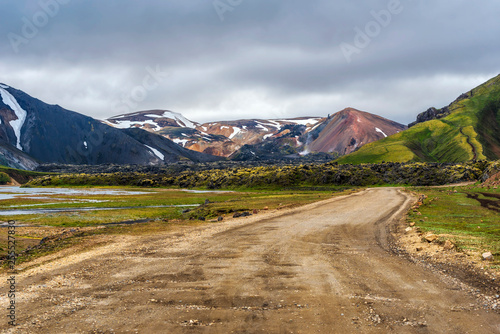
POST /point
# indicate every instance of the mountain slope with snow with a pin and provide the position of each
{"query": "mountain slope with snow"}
(222, 138)
(52, 134)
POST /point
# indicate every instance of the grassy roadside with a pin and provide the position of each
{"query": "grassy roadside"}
(22, 176)
(73, 229)
(467, 216)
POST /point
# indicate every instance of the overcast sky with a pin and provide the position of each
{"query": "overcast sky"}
(233, 59)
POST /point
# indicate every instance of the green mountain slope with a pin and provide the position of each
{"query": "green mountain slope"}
(470, 131)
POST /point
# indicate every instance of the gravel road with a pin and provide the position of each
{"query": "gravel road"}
(321, 268)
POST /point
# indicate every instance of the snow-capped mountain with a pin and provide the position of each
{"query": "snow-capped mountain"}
(341, 133)
(152, 120)
(32, 131)
(222, 138)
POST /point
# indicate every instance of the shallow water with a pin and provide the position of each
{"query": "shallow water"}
(207, 191)
(13, 192)
(59, 210)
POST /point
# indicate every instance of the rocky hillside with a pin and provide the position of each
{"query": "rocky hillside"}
(32, 131)
(216, 138)
(467, 129)
(350, 129)
(263, 139)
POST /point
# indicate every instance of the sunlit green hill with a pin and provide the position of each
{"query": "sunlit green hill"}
(471, 130)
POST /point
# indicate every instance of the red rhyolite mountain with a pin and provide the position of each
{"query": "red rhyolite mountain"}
(350, 129)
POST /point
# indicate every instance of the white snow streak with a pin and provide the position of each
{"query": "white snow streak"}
(180, 141)
(310, 121)
(273, 124)
(181, 120)
(267, 136)
(3, 86)
(156, 152)
(382, 132)
(236, 130)
(21, 114)
(262, 127)
(130, 124)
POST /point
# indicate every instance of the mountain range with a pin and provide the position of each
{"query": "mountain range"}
(33, 132)
(341, 133)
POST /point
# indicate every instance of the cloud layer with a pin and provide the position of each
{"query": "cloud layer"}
(231, 59)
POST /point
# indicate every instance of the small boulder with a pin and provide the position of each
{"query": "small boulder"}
(412, 224)
(255, 211)
(431, 237)
(488, 256)
(266, 208)
(408, 229)
(220, 218)
(448, 245)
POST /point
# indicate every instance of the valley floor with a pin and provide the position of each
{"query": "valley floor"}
(325, 267)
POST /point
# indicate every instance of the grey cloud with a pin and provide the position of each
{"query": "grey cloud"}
(265, 58)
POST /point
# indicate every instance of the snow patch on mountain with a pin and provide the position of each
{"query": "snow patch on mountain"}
(131, 124)
(236, 130)
(260, 126)
(179, 118)
(156, 152)
(310, 121)
(273, 124)
(180, 141)
(382, 132)
(21, 114)
(3, 86)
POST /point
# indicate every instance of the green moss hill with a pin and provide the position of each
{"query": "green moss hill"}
(468, 129)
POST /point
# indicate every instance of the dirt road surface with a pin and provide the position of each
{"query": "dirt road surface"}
(323, 268)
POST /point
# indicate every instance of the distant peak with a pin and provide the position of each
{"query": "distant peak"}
(349, 110)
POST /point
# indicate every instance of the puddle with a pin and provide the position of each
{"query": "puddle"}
(59, 210)
(14, 192)
(207, 191)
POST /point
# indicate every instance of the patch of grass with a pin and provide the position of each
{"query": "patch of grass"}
(140, 206)
(21, 176)
(452, 213)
